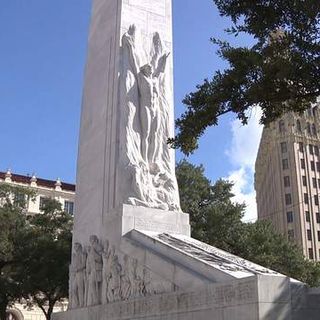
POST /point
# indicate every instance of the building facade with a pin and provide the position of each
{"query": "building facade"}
(62, 192)
(287, 178)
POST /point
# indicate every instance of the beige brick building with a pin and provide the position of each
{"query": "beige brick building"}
(287, 178)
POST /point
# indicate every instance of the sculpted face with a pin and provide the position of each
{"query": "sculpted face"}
(132, 30)
(147, 70)
(77, 247)
(93, 239)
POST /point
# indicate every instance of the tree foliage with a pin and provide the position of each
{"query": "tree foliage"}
(34, 251)
(45, 272)
(217, 220)
(279, 73)
(13, 230)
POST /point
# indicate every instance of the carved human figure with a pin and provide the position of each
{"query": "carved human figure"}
(150, 112)
(147, 284)
(105, 271)
(78, 268)
(136, 280)
(146, 123)
(94, 271)
(108, 270)
(114, 282)
(72, 303)
(126, 286)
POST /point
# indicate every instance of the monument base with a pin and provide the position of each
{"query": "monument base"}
(191, 280)
(256, 298)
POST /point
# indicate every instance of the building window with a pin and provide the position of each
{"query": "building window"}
(20, 198)
(318, 235)
(290, 235)
(313, 168)
(316, 150)
(318, 217)
(69, 207)
(306, 198)
(289, 216)
(300, 146)
(304, 181)
(299, 126)
(310, 148)
(309, 129)
(318, 166)
(309, 235)
(42, 202)
(286, 181)
(318, 183)
(282, 127)
(316, 200)
(315, 111)
(285, 164)
(288, 199)
(314, 182)
(314, 129)
(303, 164)
(307, 216)
(310, 253)
(284, 148)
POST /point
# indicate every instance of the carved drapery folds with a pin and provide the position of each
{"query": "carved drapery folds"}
(146, 159)
(101, 274)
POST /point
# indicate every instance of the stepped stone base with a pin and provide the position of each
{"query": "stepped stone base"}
(199, 282)
(259, 297)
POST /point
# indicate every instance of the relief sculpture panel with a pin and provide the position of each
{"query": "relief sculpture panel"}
(101, 274)
(146, 159)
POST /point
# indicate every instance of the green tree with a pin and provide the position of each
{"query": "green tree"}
(217, 220)
(45, 272)
(214, 218)
(260, 243)
(13, 230)
(280, 72)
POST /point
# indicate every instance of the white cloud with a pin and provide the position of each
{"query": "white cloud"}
(242, 155)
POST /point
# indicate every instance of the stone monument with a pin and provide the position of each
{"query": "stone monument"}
(133, 257)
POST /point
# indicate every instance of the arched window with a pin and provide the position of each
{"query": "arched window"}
(314, 129)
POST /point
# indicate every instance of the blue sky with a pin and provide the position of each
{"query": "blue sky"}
(42, 57)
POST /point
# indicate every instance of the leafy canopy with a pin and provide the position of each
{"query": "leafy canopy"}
(45, 272)
(13, 230)
(279, 73)
(34, 251)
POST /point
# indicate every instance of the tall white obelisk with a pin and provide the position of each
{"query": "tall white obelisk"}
(127, 115)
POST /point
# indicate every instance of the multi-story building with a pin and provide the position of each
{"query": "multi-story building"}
(62, 192)
(287, 178)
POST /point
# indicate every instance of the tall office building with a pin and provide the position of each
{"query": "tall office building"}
(287, 178)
